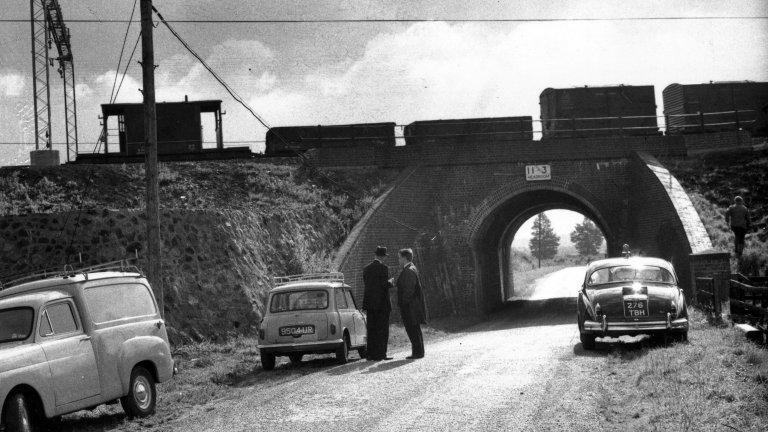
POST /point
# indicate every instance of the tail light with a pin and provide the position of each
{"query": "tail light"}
(673, 308)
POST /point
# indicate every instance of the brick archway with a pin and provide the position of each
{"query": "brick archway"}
(495, 221)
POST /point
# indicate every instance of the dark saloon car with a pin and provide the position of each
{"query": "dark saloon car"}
(631, 296)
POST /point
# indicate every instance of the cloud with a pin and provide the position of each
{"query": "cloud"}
(12, 84)
(440, 70)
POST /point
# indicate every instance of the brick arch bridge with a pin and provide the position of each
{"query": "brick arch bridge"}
(459, 206)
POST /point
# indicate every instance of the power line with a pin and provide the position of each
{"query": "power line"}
(402, 20)
(125, 71)
(215, 75)
(122, 49)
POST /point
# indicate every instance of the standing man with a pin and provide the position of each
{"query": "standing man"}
(377, 305)
(410, 300)
(737, 217)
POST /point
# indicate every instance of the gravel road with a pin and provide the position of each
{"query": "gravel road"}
(498, 375)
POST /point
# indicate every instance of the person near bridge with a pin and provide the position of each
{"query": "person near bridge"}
(737, 217)
(377, 305)
(410, 300)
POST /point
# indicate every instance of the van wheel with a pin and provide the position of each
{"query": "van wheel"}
(296, 358)
(342, 352)
(142, 395)
(267, 360)
(19, 415)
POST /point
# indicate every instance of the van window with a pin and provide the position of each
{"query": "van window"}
(61, 318)
(115, 302)
(15, 324)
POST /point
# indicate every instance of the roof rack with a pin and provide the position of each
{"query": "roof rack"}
(123, 266)
(309, 277)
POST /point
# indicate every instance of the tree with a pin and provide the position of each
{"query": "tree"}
(587, 238)
(544, 242)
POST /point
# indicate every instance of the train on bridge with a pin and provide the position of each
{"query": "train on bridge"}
(579, 112)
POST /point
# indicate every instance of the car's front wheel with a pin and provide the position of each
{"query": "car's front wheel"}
(587, 341)
(267, 361)
(342, 352)
(18, 415)
(142, 395)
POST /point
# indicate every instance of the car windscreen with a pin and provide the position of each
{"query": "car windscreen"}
(15, 324)
(299, 300)
(630, 273)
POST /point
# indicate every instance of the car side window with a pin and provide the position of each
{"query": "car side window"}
(350, 299)
(58, 319)
(108, 303)
(341, 300)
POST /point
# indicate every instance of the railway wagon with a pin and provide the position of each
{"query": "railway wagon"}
(715, 107)
(598, 111)
(289, 140)
(470, 131)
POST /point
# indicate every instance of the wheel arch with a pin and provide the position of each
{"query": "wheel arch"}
(32, 394)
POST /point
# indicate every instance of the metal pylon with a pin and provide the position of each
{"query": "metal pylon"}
(41, 92)
(60, 33)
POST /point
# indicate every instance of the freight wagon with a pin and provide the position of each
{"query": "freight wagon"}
(716, 106)
(598, 111)
(289, 140)
(469, 131)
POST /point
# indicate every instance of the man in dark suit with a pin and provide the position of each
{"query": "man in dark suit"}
(377, 305)
(410, 300)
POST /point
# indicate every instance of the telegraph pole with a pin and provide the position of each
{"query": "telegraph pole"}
(150, 148)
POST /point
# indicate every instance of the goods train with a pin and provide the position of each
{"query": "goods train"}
(565, 113)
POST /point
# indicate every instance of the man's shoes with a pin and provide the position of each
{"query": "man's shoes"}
(410, 357)
(379, 358)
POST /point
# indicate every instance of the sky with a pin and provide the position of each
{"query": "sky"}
(308, 74)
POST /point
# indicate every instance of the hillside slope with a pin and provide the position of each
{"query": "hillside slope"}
(712, 181)
(227, 227)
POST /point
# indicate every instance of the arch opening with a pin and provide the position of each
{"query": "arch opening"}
(546, 256)
(492, 240)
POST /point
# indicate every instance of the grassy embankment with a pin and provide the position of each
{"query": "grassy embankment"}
(716, 382)
(712, 181)
(260, 219)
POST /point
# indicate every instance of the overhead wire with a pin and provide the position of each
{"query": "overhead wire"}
(404, 20)
(122, 49)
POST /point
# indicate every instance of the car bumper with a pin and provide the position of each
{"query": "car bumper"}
(302, 347)
(608, 328)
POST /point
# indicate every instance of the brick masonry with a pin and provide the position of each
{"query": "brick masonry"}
(456, 205)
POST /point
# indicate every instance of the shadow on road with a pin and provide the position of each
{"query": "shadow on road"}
(530, 313)
(389, 365)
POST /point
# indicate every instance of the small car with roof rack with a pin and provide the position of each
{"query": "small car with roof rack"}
(76, 339)
(631, 296)
(311, 314)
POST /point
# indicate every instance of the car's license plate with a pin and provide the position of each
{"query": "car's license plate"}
(297, 330)
(635, 308)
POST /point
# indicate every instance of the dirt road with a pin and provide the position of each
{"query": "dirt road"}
(562, 283)
(494, 376)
